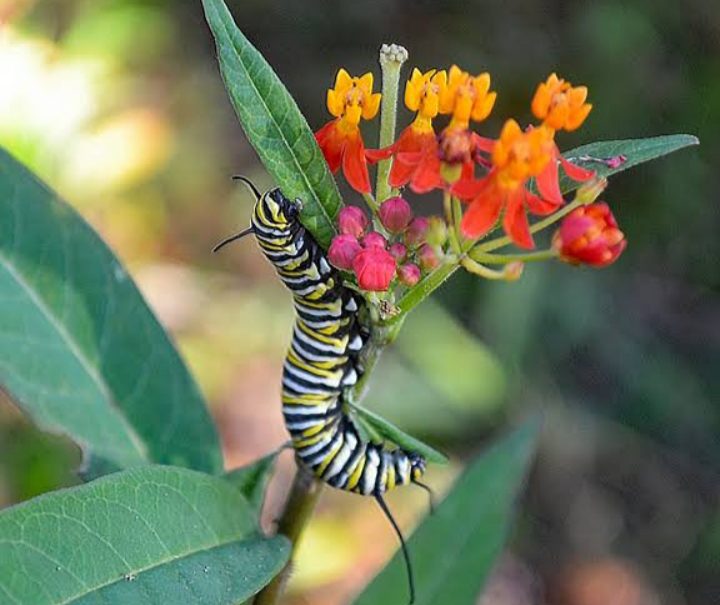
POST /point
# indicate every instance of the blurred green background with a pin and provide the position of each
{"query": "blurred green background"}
(119, 105)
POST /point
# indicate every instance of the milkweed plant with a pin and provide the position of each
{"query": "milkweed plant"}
(158, 519)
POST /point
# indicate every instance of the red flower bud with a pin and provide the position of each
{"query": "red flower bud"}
(409, 274)
(352, 221)
(374, 268)
(416, 231)
(395, 214)
(590, 235)
(343, 250)
(374, 240)
(399, 251)
(427, 257)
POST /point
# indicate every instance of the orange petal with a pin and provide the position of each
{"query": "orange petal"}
(331, 144)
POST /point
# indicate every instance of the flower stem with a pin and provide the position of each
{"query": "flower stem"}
(392, 57)
(501, 259)
(298, 509)
(451, 222)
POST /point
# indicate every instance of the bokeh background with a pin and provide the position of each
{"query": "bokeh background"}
(119, 105)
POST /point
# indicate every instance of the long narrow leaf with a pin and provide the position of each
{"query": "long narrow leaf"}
(274, 125)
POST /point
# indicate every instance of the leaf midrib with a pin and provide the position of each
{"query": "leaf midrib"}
(77, 352)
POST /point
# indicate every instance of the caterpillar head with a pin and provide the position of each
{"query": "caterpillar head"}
(281, 209)
(417, 465)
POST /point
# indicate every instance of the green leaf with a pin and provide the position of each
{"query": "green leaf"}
(80, 351)
(148, 535)
(454, 549)
(392, 433)
(252, 480)
(637, 151)
(274, 125)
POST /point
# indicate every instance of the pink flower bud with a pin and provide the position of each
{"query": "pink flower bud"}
(352, 221)
(427, 257)
(374, 268)
(399, 251)
(374, 240)
(343, 250)
(590, 235)
(416, 231)
(395, 214)
(409, 274)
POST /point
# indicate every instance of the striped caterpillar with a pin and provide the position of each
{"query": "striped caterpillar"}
(323, 360)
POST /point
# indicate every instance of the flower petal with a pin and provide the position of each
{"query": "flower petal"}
(354, 164)
(515, 220)
(547, 183)
(482, 214)
(575, 172)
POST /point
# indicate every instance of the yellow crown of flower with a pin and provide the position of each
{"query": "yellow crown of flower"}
(560, 105)
(519, 155)
(466, 97)
(352, 98)
(422, 94)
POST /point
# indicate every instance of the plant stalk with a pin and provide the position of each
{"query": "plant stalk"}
(392, 57)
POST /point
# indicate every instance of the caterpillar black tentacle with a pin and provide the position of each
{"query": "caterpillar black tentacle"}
(324, 359)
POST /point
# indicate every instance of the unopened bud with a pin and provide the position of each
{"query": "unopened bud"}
(590, 235)
(409, 274)
(399, 251)
(352, 221)
(513, 270)
(374, 240)
(395, 214)
(427, 257)
(416, 231)
(343, 250)
(374, 268)
(437, 232)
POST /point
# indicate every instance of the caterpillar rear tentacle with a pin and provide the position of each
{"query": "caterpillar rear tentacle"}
(324, 360)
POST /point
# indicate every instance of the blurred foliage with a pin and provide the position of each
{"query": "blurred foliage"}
(119, 105)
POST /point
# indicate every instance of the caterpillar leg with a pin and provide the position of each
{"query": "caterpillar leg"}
(411, 581)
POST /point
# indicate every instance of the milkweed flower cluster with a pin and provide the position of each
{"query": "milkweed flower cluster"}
(486, 182)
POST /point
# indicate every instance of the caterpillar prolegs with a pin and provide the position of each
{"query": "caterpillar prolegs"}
(324, 358)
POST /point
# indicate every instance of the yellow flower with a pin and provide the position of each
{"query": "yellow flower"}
(560, 105)
(352, 98)
(466, 97)
(422, 94)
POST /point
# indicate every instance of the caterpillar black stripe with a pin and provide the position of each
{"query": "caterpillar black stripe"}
(324, 359)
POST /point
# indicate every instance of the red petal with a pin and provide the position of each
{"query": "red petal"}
(427, 175)
(515, 220)
(482, 214)
(575, 172)
(537, 205)
(355, 166)
(375, 155)
(483, 143)
(400, 173)
(547, 183)
(331, 144)
(468, 189)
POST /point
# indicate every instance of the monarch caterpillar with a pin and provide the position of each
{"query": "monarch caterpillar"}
(324, 358)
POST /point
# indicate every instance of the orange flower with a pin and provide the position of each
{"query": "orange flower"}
(466, 97)
(560, 105)
(516, 157)
(350, 100)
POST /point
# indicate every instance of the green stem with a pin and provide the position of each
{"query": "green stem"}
(392, 56)
(431, 282)
(534, 228)
(450, 221)
(299, 507)
(371, 202)
(502, 259)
